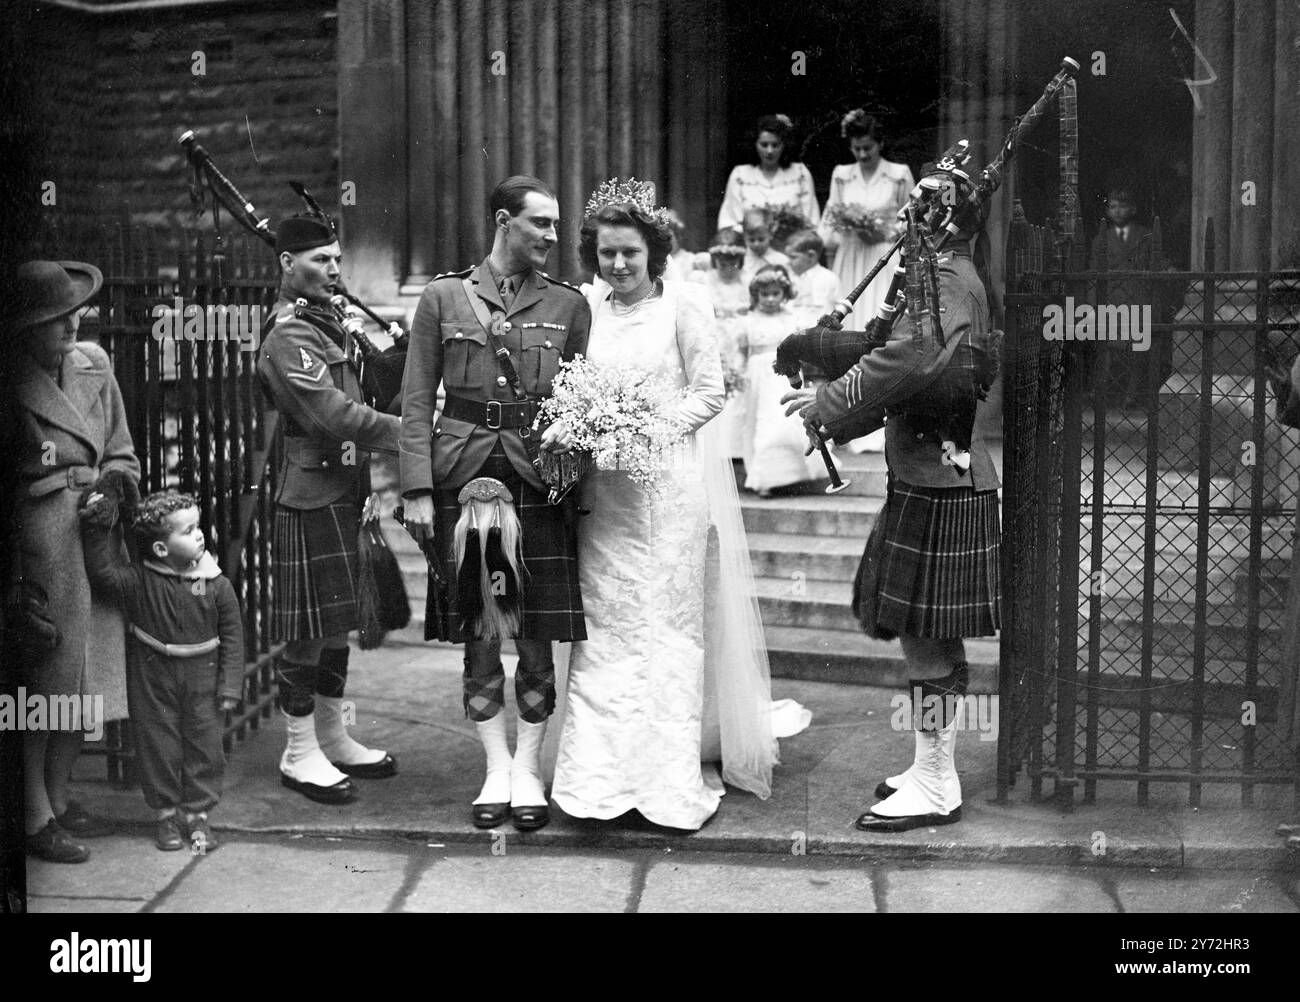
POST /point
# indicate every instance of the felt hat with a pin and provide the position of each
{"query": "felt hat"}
(47, 290)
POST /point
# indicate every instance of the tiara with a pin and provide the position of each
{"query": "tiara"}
(638, 194)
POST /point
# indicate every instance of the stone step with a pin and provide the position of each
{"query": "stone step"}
(818, 605)
(819, 558)
(818, 655)
(814, 515)
(1224, 641)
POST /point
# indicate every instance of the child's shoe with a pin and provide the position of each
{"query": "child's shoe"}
(168, 837)
(202, 841)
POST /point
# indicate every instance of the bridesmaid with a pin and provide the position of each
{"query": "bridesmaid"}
(772, 181)
(877, 186)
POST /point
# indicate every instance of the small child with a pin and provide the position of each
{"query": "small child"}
(185, 662)
(730, 298)
(758, 242)
(682, 264)
(1124, 244)
(774, 442)
(816, 288)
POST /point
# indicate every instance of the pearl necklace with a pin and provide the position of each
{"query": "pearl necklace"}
(621, 309)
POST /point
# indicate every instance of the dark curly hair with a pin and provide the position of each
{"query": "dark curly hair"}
(657, 236)
(858, 124)
(779, 127)
(151, 515)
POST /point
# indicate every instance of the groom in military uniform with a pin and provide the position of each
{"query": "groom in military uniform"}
(483, 430)
(325, 434)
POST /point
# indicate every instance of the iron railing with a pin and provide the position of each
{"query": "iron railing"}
(1147, 541)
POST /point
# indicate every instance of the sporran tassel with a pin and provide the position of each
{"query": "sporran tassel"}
(502, 609)
(468, 552)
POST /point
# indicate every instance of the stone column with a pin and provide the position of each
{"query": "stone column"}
(373, 152)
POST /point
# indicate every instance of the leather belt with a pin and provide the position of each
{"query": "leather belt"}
(176, 650)
(492, 414)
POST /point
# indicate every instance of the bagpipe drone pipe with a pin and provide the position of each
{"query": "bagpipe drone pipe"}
(381, 369)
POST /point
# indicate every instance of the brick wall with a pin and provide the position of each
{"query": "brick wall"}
(116, 92)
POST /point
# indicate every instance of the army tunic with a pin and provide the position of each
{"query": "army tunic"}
(930, 568)
(547, 323)
(324, 438)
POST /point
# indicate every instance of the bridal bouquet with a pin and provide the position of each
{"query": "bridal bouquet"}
(874, 228)
(623, 418)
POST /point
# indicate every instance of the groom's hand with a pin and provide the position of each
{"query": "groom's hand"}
(419, 517)
(556, 438)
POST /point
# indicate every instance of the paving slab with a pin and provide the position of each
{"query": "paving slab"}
(1181, 891)
(38, 905)
(993, 889)
(682, 885)
(126, 867)
(516, 880)
(1233, 838)
(349, 875)
(408, 699)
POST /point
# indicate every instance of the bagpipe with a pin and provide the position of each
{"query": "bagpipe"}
(946, 203)
(381, 369)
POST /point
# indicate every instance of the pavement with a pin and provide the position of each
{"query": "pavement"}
(407, 843)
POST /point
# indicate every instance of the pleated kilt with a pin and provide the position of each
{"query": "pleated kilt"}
(314, 571)
(936, 565)
(551, 596)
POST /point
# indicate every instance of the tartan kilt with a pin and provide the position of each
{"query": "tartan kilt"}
(936, 570)
(551, 598)
(314, 571)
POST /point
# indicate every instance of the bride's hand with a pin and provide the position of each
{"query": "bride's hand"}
(556, 438)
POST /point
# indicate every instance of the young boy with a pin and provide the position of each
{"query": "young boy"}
(816, 289)
(185, 660)
(758, 244)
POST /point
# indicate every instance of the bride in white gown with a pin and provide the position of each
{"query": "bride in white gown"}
(666, 679)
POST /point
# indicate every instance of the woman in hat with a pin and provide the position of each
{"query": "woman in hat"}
(74, 436)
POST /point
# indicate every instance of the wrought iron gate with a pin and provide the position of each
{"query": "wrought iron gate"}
(1147, 540)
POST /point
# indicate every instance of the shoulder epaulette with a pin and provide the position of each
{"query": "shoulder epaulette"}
(453, 274)
(560, 281)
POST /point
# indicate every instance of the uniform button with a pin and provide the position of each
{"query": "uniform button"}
(507, 326)
(919, 436)
(501, 380)
(460, 333)
(548, 344)
(438, 430)
(324, 464)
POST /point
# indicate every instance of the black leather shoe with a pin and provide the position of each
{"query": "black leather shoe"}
(490, 815)
(884, 791)
(530, 818)
(54, 845)
(874, 823)
(382, 769)
(342, 792)
(167, 834)
(76, 820)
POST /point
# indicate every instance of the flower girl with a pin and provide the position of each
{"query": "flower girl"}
(774, 444)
